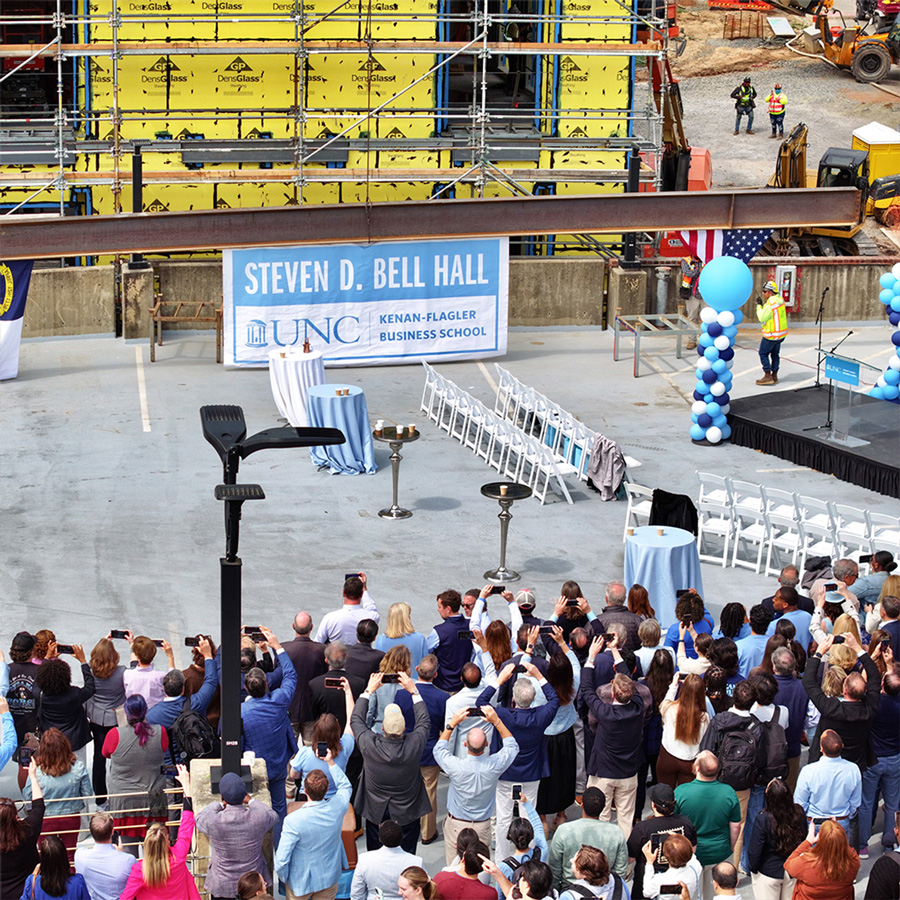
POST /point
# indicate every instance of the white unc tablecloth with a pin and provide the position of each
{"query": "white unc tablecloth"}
(291, 378)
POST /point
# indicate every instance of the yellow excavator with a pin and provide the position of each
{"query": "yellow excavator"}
(868, 47)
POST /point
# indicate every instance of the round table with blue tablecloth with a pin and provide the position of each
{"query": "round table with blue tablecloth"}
(663, 564)
(327, 410)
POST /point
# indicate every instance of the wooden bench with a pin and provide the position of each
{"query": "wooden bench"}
(183, 311)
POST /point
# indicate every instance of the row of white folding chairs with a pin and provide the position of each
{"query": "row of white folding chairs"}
(503, 446)
(570, 440)
(770, 527)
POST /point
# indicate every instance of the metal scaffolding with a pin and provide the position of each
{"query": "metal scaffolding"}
(485, 144)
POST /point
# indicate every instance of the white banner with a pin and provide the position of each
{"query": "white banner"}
(375, 304)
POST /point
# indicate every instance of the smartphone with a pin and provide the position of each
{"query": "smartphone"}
(516, 791)
(838, 639)
(609, 636)
(332, 682)
(865, 560)
(251, 629)
(681, 592)
(257, 637)
(118, 634)
(520, 670)
(300, 796)
(831, 586)
(351, 575)
(25, 754)
(390, 678)
(670, 889)
(571, 603)
(499, 589)
(656, 841)
(192, 642)
(545, 629)
(475, 711)
(687, 622)
(65, 648)
(817, 822)
(465, 635)
(321, 749)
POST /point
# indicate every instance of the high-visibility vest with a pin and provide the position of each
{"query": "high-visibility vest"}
(777, 103)
(688, 273)
(773, 316)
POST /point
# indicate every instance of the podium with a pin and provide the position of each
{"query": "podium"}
(844, 403)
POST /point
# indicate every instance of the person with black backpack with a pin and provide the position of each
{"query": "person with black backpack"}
(734, 737)
(184, 718)
(524, 830)
(593, 878)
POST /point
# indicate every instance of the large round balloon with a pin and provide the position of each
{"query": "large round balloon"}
(726, 283)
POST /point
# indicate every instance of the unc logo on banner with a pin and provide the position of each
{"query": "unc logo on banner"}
(6, 302)
(14, 280)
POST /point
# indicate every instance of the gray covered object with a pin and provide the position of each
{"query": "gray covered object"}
(606, 470)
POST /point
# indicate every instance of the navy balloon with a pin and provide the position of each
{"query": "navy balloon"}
(700, 349)
(895, 339)
(727, 353)
(893, 318)
(709, 376)
(722, 399)
(704, 420)
(714, 330)
(698, 395)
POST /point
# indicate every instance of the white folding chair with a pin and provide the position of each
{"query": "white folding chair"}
(463, 413)
(815, 512)
(505, 384)
(780, 503)
(745, 496)
(884, 532)
(714, 488)
(714, 516)
(785, 539)
(751, 530)
(429, 388)
(851, 530)
(640, 499)
(479, 418)
(516, 452)
(499, 445)
(548, 468)
(447, 406)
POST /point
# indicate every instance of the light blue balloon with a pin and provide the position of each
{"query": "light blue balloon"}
(886, 296)
(726, 378)
(738, 316)
(726, 432)
(704, 327)
(897, 288)
(705, 340)
(713, 409)
(697, 433)
(719, 421)
(887, 280)
(698, 374)
(708, 397)
(876, 393)
(694, 418)
(700, 387)
(711, 353)
(730, 332)
(891, 376)
(720, 366)
(890, 392)
(895, 304)
(726, 283)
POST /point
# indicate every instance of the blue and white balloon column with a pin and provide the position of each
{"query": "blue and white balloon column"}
(725, 284)
(888, 385)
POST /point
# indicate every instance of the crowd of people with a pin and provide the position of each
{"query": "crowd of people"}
(682, 744)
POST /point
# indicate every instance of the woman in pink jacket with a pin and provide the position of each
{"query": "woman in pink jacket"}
(163, 873)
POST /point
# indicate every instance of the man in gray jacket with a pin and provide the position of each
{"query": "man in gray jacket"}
(391, 784)
(236, 828)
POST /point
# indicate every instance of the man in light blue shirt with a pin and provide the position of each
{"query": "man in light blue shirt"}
(751, 649)
(106, 867)
(473, 780)
(786, 601)
(376, 873)
(832, 786)
(340, 625)
(310, 851)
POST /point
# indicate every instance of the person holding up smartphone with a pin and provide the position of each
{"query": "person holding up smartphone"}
(19, 838)
(143, 679)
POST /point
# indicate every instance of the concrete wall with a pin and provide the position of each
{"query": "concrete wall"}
(70, 301)
(542, 293)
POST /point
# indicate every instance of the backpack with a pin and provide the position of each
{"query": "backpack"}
(772, 761)
(194, 737)
(582, 891)
(513, 863)
(738, 751)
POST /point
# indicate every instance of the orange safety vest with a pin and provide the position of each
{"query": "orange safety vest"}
(777, 103)
(773, 316)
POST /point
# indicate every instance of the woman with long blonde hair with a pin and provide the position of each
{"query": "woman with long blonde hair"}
(399, 631)
(825, 865)
(396, 660)
(685, 721)
(163, 873)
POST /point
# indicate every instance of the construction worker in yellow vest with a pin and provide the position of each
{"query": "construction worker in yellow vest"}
(777, 102)
(690, 274)
(772, 313)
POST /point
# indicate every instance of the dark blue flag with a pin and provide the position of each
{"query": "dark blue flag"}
(14, 280)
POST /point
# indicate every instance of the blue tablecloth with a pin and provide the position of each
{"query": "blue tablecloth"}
(662, 565)
(350, 415)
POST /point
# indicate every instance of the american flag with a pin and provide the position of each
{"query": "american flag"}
(741, 243)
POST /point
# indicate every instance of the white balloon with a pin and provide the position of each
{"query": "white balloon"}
(894, 362)
(725, 319)
(704, 364)
(881, 382)
(895, 271)
(722, 342)
(698, 407)
(717, 389)
(730, 363)
(726, 408)
(714, 434)
(708, 315)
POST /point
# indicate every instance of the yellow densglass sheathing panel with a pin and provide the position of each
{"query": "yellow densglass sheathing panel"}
(589, 83)
(382, 192)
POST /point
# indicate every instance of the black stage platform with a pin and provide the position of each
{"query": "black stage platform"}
(773, 422)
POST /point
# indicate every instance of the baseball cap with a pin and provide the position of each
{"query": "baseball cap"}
(232, 789)
(23, 641)
(661, 794)
(394, 723)
(526, 597)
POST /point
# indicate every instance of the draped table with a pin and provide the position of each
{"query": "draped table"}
(663, 564)
(291, 375)
(350, 414)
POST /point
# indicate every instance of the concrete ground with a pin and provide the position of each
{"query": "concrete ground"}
(110, 521)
